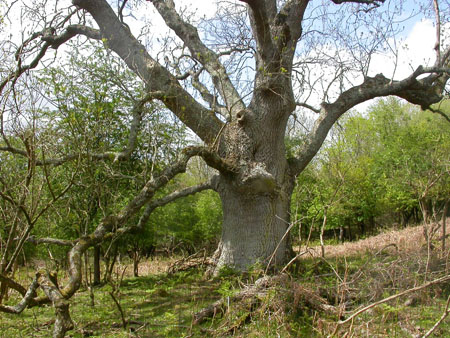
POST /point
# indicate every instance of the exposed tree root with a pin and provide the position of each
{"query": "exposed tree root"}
(259, 290)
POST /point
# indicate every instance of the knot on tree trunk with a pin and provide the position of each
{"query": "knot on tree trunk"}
(255, 178)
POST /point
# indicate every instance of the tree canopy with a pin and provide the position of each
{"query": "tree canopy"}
(238, 81)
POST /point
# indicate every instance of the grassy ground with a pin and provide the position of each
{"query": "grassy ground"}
(162, 305)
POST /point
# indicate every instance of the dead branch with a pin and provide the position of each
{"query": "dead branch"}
(387, 299)
(122, 315)
(444, 315)
(198, 259)
(26, 300)
(313, 300)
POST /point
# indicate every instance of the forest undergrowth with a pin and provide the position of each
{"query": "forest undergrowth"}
(314, 297)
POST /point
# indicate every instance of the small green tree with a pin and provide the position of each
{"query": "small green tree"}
(389, 163)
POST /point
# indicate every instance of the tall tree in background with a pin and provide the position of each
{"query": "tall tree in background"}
(236, 83)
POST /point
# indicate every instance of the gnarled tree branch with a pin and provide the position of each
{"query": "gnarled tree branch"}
(109, 225)
(203, 54)
(55, 241)
(423, 92)
(157, 78)
(13, 284)
(27, 297)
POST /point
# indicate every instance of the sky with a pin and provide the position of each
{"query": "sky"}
(415, 44)
(417, 48)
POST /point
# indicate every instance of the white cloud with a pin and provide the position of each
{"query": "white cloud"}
(416, 49)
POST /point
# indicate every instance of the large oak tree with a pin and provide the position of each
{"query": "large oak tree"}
(237, 83)
(286, 50)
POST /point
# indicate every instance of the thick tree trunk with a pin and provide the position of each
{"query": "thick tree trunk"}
(253, 228)
(256, 202)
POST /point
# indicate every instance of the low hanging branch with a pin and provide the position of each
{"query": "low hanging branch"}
(13, 284)
(27, 297)
(55, 241)
(108, 227)
(163, 201)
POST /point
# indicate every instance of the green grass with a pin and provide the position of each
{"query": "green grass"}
(163, 305)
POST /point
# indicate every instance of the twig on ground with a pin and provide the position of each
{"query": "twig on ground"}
(423, 286)
(122, 315)
(444, 315)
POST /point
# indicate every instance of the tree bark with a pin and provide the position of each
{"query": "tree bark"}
(136, 259)
(256, 201)
(63, 322)
(97, 272)
(253, 227)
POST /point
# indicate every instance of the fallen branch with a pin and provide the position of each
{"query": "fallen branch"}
(444, 315)
(358, 312)
(313, 300)
(195, 260)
